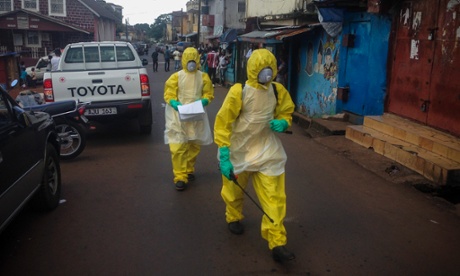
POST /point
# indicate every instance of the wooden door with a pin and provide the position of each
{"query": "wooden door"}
(412, 55)
(425, 74)
(444, 105)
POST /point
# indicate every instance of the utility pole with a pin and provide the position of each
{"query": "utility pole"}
(181, 20)
(126, 21)
(199, 25)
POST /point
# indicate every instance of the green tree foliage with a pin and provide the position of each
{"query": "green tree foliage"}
(142, 27)
(158, 28)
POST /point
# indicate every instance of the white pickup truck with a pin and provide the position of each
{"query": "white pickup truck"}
(110, 75)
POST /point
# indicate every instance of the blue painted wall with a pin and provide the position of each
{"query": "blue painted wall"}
(324, 65)
(318, 75)
(363, 67)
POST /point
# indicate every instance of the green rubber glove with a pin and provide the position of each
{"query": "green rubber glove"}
(205, 102)
(226, 167)
(174, 104)
(279, 125)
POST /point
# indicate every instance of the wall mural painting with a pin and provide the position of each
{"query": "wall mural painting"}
(330, 59)
(326, 59)
(309, 61)
(320, 86)
(318, 68)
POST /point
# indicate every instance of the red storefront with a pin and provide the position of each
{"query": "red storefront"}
(425, 64)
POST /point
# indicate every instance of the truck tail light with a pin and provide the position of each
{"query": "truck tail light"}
(145, 86)
(48, 90)
(81, 110)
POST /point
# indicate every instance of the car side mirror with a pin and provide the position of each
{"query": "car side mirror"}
(14, 83)
(145, 62)
(21, 116)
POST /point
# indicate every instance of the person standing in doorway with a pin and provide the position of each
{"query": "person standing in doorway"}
(282, 71)
(252, 47)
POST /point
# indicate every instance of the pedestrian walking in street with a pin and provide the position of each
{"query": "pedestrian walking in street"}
(167, 56)
(155, 60)
(185, 138)
(204, 61)
(213, 60)
(244, 132)
(22, 66)
(222, 67)
(177, 56)
(23, 78)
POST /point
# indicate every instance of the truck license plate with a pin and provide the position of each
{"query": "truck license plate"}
(101, 111)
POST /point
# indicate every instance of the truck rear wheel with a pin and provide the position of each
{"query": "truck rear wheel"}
(145, 129)
(145, 121)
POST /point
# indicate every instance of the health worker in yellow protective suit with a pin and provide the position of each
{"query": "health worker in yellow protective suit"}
(186, 137)
(244, 131)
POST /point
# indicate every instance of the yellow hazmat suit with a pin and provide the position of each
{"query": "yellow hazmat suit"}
(186, 137)
(243, 125)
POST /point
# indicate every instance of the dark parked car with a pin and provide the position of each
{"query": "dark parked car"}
(29, 160)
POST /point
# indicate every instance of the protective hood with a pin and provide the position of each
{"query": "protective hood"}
(260, 59)
(190, 54)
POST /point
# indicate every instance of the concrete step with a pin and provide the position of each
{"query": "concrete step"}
(427, 138)
(435, 167)
(329, 126)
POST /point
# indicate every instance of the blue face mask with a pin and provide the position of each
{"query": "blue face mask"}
(265, 75)
(191, 66)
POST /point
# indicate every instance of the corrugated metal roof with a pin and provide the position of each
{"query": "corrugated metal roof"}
(291, 33)
(101, 9)
(261, 34)
(273, 36)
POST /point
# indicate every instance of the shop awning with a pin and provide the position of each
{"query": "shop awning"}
(260, 37)
(272, 36)
(229, 36)
(212, 36)
(190, 35)
(291, 33)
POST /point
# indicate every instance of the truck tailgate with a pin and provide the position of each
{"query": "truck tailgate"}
(98, 85)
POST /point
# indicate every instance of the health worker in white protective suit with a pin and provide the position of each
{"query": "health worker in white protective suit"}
(186, 137)
(245, 132)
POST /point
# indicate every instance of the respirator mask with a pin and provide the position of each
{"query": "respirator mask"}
(265, 75)
(191, 66)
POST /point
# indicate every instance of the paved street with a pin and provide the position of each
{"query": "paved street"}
(121, 215)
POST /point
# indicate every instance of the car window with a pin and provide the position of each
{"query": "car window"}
(108, 53)
(74, 55)
(124, 53)
(5, 115)
(91, 54)
(42, 63)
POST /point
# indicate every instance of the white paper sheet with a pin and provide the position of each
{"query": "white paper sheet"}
(191, 112)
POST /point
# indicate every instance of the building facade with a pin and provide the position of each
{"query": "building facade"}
(35, 28)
